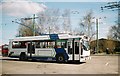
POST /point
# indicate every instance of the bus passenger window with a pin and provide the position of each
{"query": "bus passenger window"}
(63, 45)
(23, 45)
(33, 49)
(58, 44)
(18, 45)
(37, 44)
(51, 44)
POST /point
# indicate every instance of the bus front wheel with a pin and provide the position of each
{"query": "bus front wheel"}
(60, 58)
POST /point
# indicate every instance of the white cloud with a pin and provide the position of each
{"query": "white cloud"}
(21, 7)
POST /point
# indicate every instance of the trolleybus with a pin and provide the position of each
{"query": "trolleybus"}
(58, 47)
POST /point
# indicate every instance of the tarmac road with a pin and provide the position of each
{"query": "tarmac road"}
(97, 65)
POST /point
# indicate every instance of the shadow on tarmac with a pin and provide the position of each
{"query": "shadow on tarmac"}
(68, 62)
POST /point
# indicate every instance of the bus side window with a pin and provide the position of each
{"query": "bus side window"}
(63, 45)
(18, 44)
(15, 45)
(33, 49)
(22, 45)
(37, 44)
(58, 44)
(51, 44)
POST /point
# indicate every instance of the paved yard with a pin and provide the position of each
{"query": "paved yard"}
(97, 65)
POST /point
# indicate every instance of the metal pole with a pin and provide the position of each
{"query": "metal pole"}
(88, 30)
(34, 25)
(19, 33)
(79, 50)
(119, 13)
(97, 41)
(73, 58)
(49, 29)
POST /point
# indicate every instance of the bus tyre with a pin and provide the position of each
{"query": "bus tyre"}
(60, 58)
(23, 57)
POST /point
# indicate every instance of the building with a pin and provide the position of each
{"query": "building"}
(104, 44)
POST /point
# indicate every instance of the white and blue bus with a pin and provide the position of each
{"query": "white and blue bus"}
(58, 47)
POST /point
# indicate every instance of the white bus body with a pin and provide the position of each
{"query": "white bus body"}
(61, 47)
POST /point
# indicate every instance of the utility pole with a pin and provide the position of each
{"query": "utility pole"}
(97, 32)
(49, 29)
(89, 30)
(32, 28)
(34, 24)
(97, 41)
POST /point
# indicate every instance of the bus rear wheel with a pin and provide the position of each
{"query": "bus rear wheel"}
(23, 57)
(60, 58)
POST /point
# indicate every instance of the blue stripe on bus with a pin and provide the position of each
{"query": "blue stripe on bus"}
(54, 36)
(44, 58)
(62, 51)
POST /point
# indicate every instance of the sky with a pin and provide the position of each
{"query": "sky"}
(16, 9)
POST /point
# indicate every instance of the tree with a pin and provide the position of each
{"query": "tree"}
(49, 21)
(26, 30)
(85, 25)
(114, 32)
(66, 21)
(54, 21)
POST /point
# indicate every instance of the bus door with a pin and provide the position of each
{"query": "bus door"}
(76, 50)
(31, 49)
(69, 49)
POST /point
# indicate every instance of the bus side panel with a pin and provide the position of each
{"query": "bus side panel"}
(16, 52)
(44, 52)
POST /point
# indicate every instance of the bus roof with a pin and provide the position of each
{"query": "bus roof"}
(46, 37)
